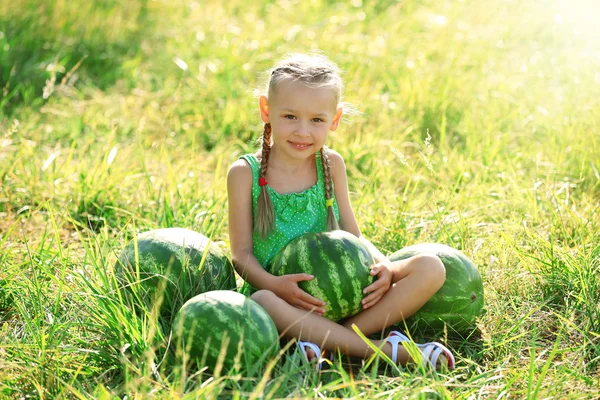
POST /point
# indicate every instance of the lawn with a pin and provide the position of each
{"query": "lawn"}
(475, 124)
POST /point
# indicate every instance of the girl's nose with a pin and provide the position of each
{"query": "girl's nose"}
(302, 129)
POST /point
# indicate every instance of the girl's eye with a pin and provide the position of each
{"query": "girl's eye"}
(289, 116)
(317, 120)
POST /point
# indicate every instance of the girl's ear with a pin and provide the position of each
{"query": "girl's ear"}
(263, 104)
(336, 119)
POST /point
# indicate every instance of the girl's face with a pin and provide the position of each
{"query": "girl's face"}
(301, 117)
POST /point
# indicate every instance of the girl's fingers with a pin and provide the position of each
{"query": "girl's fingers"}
(372, 287)
(367, 301)
(372, 302)
(312, 302)
(304, 305)
(301, 277)
(310, 307)
(372, 296)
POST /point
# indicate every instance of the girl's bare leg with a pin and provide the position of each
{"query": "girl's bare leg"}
(415, 281)
(293, 322)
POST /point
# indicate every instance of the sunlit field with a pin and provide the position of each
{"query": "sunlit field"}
(475, 124)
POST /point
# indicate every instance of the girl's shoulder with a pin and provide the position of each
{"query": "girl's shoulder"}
(239, 172)
(337, 167)
(336, 161)
(252, 158)
(245, 160)
(332, 153)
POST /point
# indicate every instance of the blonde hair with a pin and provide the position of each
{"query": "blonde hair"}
(315, 71)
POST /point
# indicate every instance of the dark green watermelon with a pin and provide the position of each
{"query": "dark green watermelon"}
(459, 302)
(174, 265)
(224, 319)
(340, 263)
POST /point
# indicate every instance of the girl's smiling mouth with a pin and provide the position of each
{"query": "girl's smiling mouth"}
(300, 146)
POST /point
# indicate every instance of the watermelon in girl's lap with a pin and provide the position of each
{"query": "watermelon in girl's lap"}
(458, 303)
(340, 263)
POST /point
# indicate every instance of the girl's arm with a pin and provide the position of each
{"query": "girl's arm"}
(239, 194)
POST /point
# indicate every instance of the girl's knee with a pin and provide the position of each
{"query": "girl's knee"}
(432, 268)
(263, 297)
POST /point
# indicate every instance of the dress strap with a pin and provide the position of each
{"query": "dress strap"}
(254, 164)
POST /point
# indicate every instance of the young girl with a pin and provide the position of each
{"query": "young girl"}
(296, 185)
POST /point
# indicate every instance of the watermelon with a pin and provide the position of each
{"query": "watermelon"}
(174, 264)
(459, 301)
(340, 263)
(219, 319)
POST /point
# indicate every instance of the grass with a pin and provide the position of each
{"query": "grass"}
(478, 129)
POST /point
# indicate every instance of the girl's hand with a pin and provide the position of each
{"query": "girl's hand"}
(377, 289)
(286, 287)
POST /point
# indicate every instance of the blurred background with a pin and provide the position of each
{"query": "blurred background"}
(208, 54)
(502, 74)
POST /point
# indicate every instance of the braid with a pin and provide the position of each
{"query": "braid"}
(265, 216)
(332, 223)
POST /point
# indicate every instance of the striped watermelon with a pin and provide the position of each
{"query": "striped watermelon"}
(459, 301)
(174, 265)
(223, 318)
(340, 263)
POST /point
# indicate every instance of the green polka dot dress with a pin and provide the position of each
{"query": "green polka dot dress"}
(295, 214)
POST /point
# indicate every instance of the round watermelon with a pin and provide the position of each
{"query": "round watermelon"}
(173, 265)
(340, 263)
(224, 319)
(459, 301)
